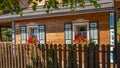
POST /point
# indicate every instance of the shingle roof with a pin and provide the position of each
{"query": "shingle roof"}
(40, 13)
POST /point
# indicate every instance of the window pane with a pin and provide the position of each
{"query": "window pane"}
(35, 32)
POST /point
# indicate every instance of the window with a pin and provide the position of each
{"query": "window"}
(42, 34)
(68, 33)
(94, 33)
(82, 30)
(34, 32)
(23, 35)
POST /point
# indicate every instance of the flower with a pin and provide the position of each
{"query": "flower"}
(79, 39)
(33, 40)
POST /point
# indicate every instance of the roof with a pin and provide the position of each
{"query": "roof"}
(40, 13)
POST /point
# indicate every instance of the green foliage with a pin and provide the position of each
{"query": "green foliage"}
(13, 5)
(118, 26)
(118, 43)
(6, 32)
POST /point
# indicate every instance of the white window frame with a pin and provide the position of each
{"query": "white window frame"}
(79, 22)
(32, 26)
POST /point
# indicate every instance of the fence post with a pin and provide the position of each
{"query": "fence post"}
(55, 56)
(69, 56)
(47, 54)
(97, 56)
(65, 56)
(74, 56)
(85, 56)
(115, 56)
(91, 56)
(118, 56)
(80, 55)
(103, 56)
(24, 56)
(108, 56)
(60, 56)
(0, 57)
(1, 51)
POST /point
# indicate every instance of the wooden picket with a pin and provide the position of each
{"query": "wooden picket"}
(58, 56)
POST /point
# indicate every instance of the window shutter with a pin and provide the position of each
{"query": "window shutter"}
(23, 34)
(94, 32)
(68, 33)
(112, 20)
(112, 29)
(42, 34)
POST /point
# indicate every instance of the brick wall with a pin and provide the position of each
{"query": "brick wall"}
(55, 26)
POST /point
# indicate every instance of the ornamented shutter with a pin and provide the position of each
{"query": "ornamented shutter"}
(23, 35)
(13, 33)
(112, 35)
(42, 34)
(68, 33)
(94, 32)
(112, 32)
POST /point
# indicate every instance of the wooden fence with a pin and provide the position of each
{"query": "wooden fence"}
(59, 56)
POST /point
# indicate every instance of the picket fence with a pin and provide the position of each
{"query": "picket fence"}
(59, 56)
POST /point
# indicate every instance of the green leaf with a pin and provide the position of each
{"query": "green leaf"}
(1, 12)
(34, 7)
(40, 0)
(82, 5)
(21, 13)
(14, 7)
(30, 1)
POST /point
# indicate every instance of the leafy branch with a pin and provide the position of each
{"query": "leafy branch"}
(13, 5)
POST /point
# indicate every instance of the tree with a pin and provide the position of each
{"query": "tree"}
(13, 5)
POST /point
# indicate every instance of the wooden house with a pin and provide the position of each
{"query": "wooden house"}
(61, 27)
